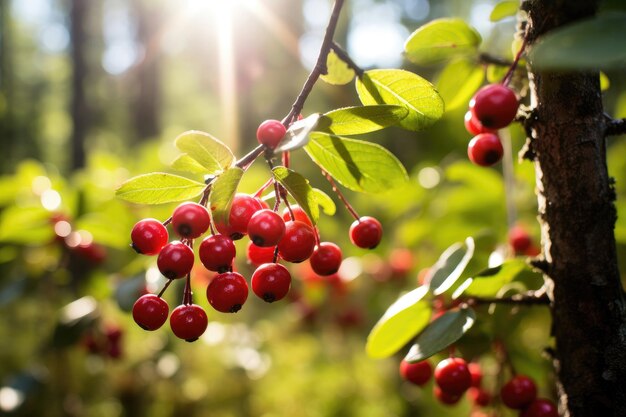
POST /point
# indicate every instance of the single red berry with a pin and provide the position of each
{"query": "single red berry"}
(479, 396)
(541, 407)
(518, 392)
(175, 260)
(217, 253)
(453, 376)
(258, 255)
(242, 209)
(150, 311)
(113, 333)
(188, 322)
(148, 236)
(266, 228)
(270, 133)
(298, 242)
(418, 373)
(114, 350)
(271, 282)
(476, 373)
(298, 214)
(445, 397)
(520, 240)
(190, 220)
(473, 126)
(326, 259)
(485, 149)
(366, 232)
(494, 106)
(227, 292)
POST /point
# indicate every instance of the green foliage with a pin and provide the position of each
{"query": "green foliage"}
(585, 45)
(361, 119)
(222, 194)
(339, 73)
(504, 9)
(488, 282)
(458, 82)
(355, 164)
(402, 88)
(209, 152)
(158, 188)
(440, 40)
(186, 163)
(300, 189)
(449, 267)
(325, 202)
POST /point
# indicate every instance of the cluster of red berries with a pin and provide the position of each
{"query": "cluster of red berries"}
(290, 237)
(105, 342)
(79, 243)
(455, 377)
(493, 107)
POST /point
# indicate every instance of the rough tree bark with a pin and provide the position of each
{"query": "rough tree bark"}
(78, 107)
(566, 140)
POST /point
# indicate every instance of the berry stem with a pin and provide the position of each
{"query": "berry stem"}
(286, 158)
(509, 73)
(167, 284)
(340, 195)
(264, 187)
(187, 296)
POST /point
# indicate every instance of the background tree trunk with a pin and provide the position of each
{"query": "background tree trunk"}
(79, 110)
(566, 140)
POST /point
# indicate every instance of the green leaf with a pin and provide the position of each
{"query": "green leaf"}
(605, 83)
(458, 81)
(589, 44)
(206, 150)
(325, 202)
(186, 163)
(504, 9)
(222, 194)
(401, 322)
(449, 267)
(361, 119)
(441, 333)
(300, 189)
(297, 136)
(339, 73)
(158, 188)
(25, 225)
(402, 88)
(441, 39)
(357, 165)
(488, 282)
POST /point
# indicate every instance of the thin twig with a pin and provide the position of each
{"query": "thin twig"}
(343, 55)
(615, 127)
(485, 58)
(529, 298)
(340, 195)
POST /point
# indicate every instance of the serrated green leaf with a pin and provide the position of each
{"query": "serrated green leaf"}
(504, 9)
(158, 188)
(403, 88)
(589, 44)
(441, 333)
(300, 189)
(458, 81)
(209, 152)
(401, 322)
(357, 165)
(449, 267)
(222, 194)
(325, 202)
(339, 73)
(488, 282)
(361, 119)
(186, 163)
(441, 39)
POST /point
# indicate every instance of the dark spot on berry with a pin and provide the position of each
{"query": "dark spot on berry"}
(258, 240)
(269, 297)
(492, 157)
(191, 340)
(236, 236)
(184, 230)
(132, 245)
(169, 274)
(223, 269)
(235, 308)
(487, 122)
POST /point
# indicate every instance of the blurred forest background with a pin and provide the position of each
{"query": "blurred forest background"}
(92, 93)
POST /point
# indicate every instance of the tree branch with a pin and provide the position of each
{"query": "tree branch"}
(485, 58)
(343, 55)
(615, 127)
(528, 298)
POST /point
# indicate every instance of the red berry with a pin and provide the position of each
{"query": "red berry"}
(418, 373)
(266, 228)
(326, 259)
(113, 333)
(258, 255)
(473, 126)
(494, 106)
(227, 292)
(445, 397)
(541, 407)
(476, 373)
(298, 214)
(148, 236)
(271, 282)
(518, 392)
(175, 260)
(242, 209)
(366, 232)
(270, 133)
(150, 311)
(479, 396)
(190, 220)
(91, 252)
(485, 149)
(297, 243)
(453, 376)
(520, 240)
(217, 253)
(188, 322)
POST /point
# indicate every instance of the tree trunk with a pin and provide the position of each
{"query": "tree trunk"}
(79, 111)
(566, 140)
